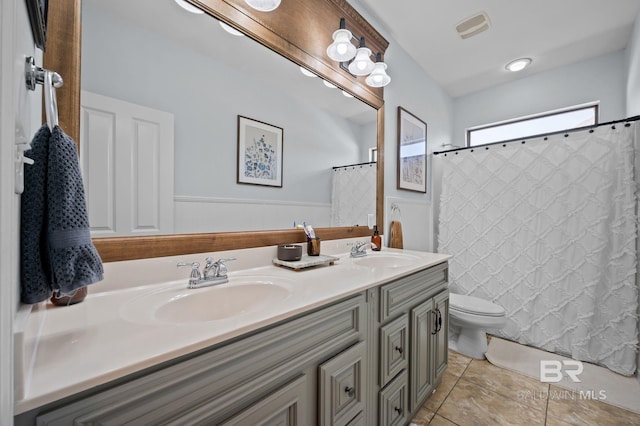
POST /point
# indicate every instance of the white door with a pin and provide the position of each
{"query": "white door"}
(126, 153)
(19, 119)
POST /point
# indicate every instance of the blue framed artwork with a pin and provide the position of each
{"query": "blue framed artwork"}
(259, 153)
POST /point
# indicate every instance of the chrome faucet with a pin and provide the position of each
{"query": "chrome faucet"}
(359, 248)
(213, 273)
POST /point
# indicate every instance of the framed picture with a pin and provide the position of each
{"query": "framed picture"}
(412, 152)
(38, 11)
(259, 153)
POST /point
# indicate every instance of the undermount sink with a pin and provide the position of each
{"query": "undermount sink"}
(386, 260)
(179, 305)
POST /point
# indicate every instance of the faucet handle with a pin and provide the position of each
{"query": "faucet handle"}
(222, 268)
(195, 269)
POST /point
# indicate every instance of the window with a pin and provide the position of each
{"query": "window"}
(533, 125)
(373, 155)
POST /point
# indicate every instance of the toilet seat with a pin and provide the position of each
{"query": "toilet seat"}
(474, 306)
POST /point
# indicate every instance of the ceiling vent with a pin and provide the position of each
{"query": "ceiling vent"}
(473, 25)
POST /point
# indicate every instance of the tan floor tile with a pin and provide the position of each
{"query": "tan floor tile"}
(437, 398)
(566, 407)
(457, 363)
(440, 421)
(471, 404)
(507, 383)
(422, 417)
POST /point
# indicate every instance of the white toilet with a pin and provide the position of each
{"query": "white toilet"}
(469, 318)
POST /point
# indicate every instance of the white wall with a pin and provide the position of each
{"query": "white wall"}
(598, 79)
(633, 72)
(413, 89)
(19, 119)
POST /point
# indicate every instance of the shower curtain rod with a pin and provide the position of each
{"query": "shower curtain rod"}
(523, 140)
(370, 163)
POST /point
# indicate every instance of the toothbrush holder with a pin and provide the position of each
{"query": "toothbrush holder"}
(313, 246)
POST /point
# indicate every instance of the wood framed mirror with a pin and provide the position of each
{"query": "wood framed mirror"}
(300, 32)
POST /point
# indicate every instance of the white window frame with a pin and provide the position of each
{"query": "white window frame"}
(554, 113)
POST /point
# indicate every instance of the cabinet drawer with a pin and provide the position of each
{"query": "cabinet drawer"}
(287, 406)
(400, 295)
(393, 402)
(342, 382)
(394, 348)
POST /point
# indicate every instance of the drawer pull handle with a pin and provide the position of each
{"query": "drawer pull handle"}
(399, 349)
(350, 391)
(398, 410)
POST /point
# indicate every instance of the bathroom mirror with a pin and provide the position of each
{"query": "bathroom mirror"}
(330, 103)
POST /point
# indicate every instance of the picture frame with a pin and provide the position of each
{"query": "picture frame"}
(38, 11)
(412, 152)
(260, 149)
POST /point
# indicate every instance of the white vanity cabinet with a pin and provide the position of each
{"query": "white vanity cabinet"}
(371, 358)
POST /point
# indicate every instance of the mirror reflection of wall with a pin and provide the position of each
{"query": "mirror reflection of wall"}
(155, 55)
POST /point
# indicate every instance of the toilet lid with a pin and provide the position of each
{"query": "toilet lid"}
(474, 305)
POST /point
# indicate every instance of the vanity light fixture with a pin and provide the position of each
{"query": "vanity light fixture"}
(362, 63)
(228, 28)
(347, 94)
(306, 72)
(329, 85)
(518, 64)
(342, 50)
(357, 60)
(263, 5)
(379, 76)
(189, 7)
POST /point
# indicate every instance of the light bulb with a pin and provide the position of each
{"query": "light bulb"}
(341, 50)
(362, 64)
(189, 7)
(263, 5)
(228, 28)
(379, 76)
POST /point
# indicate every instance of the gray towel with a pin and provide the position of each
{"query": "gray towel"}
(57, 252)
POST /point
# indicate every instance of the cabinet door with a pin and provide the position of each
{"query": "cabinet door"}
(393, 402)
(421, 374)
(441, 338)
(394, 346)
(285, 407)
(342, 386)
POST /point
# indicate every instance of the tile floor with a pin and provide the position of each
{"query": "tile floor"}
(476, 392)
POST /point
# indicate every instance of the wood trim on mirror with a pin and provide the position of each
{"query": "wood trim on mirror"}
(298, 30)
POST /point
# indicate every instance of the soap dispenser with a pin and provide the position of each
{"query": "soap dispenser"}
(376, 240)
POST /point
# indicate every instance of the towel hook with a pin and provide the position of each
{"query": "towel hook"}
(50, 80)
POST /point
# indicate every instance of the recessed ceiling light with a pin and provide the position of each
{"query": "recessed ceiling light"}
(228, 28)
(189, 7)
(518, 64)
(307, 72)
(329, 85)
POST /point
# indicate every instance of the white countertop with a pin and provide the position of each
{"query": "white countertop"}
(74, 348)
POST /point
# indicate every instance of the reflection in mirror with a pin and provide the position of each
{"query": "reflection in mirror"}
(162, 92)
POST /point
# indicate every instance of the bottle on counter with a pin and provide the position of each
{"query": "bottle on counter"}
(376, 239)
